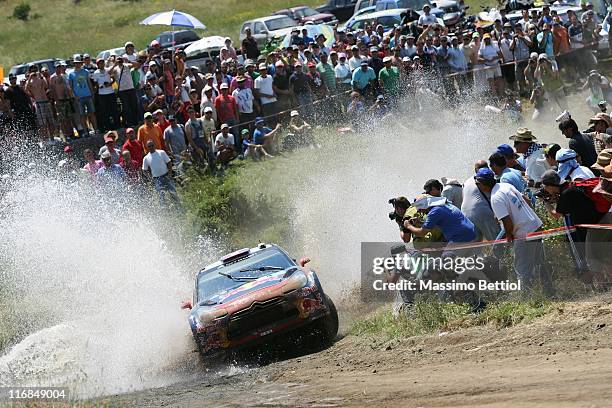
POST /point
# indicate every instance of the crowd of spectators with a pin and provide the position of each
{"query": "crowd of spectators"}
(509, 193)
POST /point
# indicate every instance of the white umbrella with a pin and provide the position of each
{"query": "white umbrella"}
(173, 19)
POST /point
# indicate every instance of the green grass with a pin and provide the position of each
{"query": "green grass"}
(428, 316)
(63, 28)
(60, 28)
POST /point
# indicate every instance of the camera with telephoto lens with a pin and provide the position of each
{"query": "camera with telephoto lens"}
(393, 215)
(542, 194)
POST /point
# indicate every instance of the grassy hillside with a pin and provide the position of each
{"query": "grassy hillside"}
(59, 28)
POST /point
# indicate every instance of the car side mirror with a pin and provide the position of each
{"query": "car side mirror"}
(303, 261)
(187, 305)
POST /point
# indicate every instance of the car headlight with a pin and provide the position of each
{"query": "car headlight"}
(296, 281)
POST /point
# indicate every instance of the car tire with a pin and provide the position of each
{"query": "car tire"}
(329, 324)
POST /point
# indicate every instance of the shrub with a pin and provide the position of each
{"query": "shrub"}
(22, 11)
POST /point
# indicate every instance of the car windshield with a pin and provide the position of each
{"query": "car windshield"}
(280, 23)
(411, 4)
(19, 70)
(305, 12)
(227, 277)
(389, 21)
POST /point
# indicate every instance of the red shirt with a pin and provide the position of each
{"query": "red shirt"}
(132, 171)
(136, 150)
(226, 108)
(163, 124)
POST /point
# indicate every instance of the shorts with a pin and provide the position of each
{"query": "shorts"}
(44, 114)
(86, 104)
(64, 109)
(492, 72)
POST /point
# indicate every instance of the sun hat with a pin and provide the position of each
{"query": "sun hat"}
(424, 201)
(603, 159)
(523, 135)
(601, 117)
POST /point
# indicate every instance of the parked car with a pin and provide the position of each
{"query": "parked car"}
(266, 28)
(254, 294)
(307, 15)
(114, 51)
(21, 70)
(169, 39)
(454, 11)
(416, 5)
(363, 4)
(313, 32)
(387, 18)
(342, 9)
(205, 49)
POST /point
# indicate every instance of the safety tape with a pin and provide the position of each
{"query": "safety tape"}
(534, 236)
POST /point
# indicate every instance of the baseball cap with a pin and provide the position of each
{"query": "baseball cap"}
(157, 112)
(85, 56)
(506, 150)
(533, 56)
(129, 131)
(259, 120)
(387, 59)
(551, 178)
(154, 43)
(225, 126)
(224, 86)
(171, 118)
(244, 132)
(311, 64)
(263, 66)
(108, 139)
(279, 64)
(487, 35)
(128, 44)
(208, 109)
(148, 115)
(105, 155)
(485, 174)
(68, 149)
(78, 59)
(294, 113)
(364, 63)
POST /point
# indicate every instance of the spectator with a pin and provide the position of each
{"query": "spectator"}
(107, 115)
(250, 149)
(92, 165)
(174, 138)
(208, 101)
(159, 166)
(199, 135)
(569, 167)
(388, 78)
(110, 176)
(452, 222)
(37, 88)
(533, 154)
(551, 82)
(150, 131)
(109, 146)
(476, 206)
(550, 153)
(579, 142)
(343, 74)
(263, 87)
(452, 191)
(265, 136)
(131, 168)
(249, 45)
(518, 220)
(224, 146)
(282, 87)
(364, 79)
(83, 92)
(600, 124)
(126, 92)
(245, 100)
(505, 174)
(134, 146)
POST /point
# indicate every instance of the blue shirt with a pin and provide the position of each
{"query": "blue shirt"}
(456, 60)
(454, 225)
(258, 135)
(514, 177)
(78, 83)
(362, 79)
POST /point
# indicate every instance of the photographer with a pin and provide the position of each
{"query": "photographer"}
(402, 213)
(563, 199)
(548, 74)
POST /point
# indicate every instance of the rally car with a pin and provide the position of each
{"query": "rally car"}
(256, 293)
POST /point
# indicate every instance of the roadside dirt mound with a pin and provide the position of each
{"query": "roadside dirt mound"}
(561, 360)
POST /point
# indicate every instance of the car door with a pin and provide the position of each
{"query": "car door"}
(260, 32)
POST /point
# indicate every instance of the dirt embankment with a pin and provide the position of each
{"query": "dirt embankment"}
(561, 360)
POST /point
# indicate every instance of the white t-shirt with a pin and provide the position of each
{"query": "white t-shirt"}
(504, 46)
(343, 73)
(506, 200)
(354, 63)
(124, 80)
(536, 165)
(226, 141)
(100, 77)
(582, 172)
(427, 19)
(244, 99)
(133, 57)
(157, 162)
(264, 85)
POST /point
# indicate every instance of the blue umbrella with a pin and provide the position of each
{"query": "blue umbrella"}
(174, 19)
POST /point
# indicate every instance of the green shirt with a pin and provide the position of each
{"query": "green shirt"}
(135, 77)
(328, 75)
(390, 79)
(254, 75)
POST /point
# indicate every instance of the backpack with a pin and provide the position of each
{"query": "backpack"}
(601, 204)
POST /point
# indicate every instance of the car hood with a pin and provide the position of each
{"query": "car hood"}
(445, 3)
